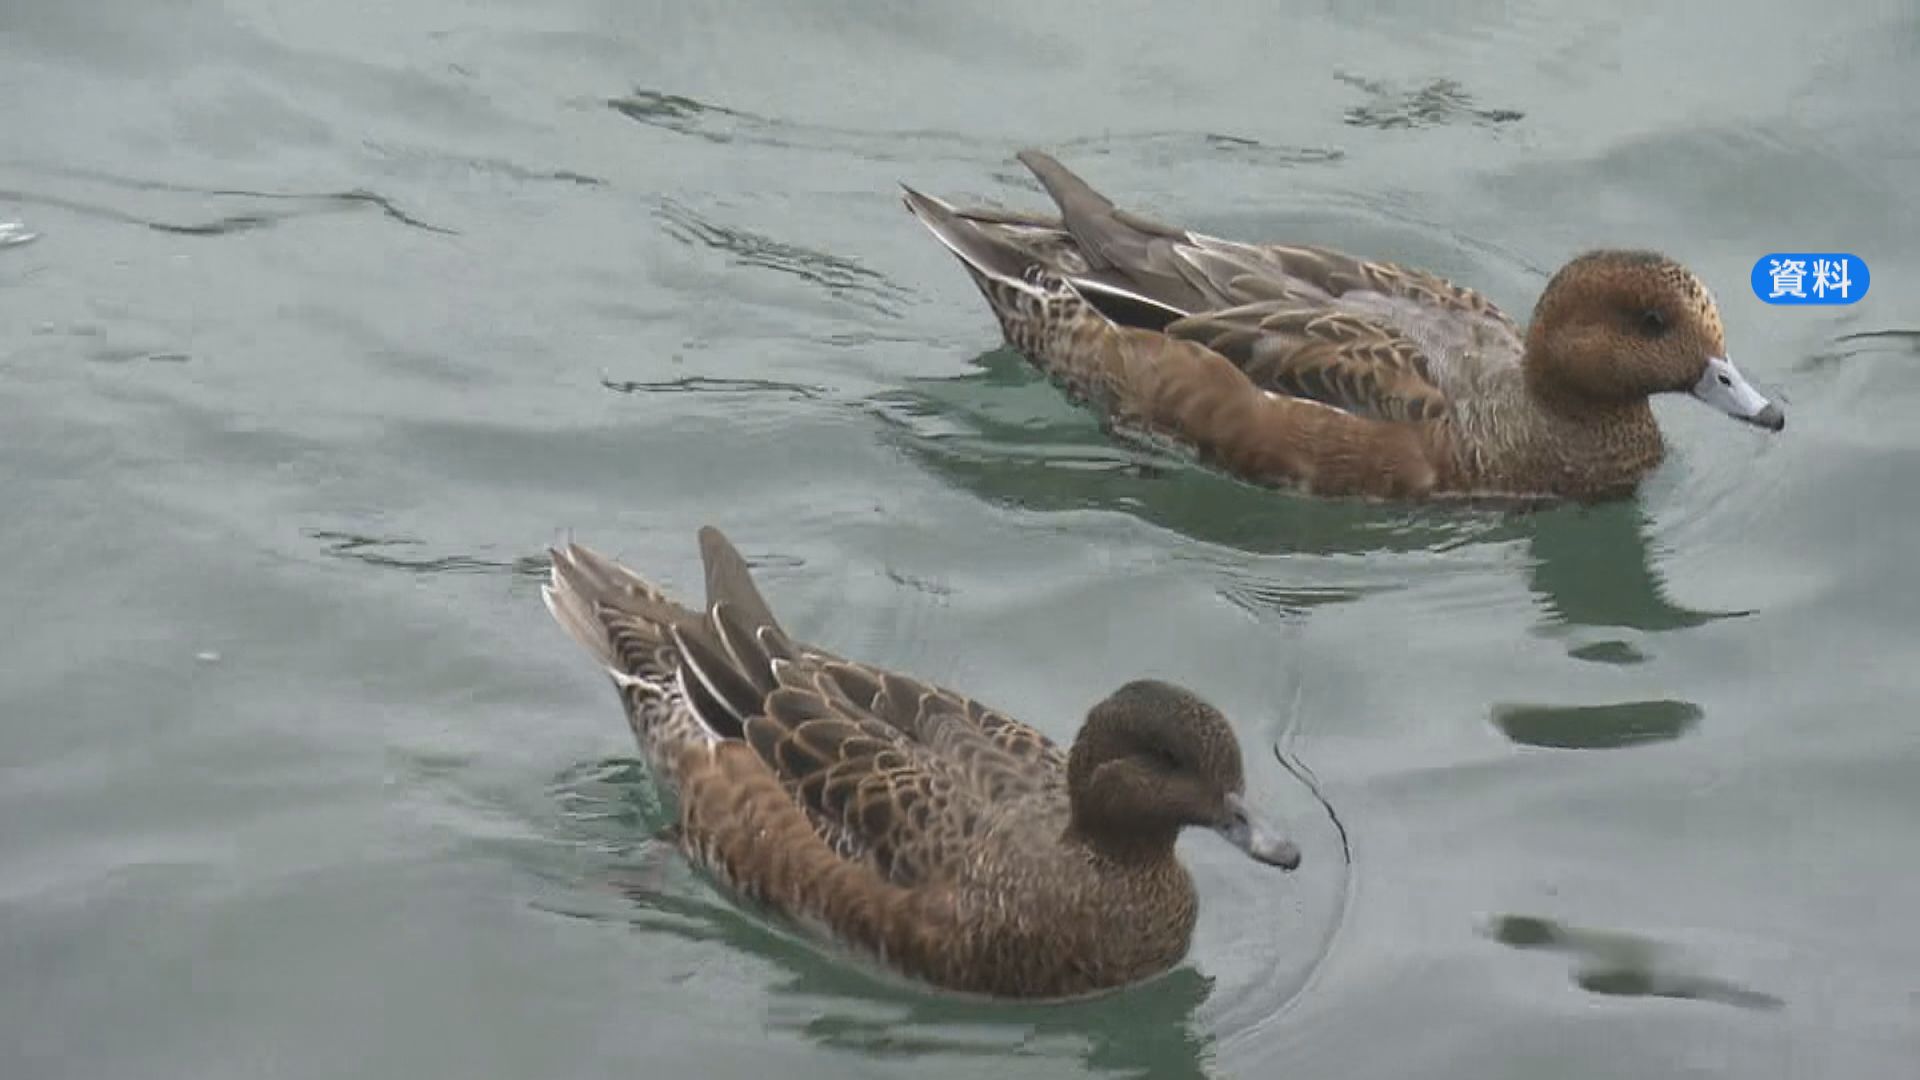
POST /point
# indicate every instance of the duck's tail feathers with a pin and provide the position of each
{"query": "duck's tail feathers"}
(657, 652)
(1013, 255)
(1109, 236)
(1147, 282)
(730, 581)
(579, 581)
(1079, 204)
(991, 259)
(1034, 303)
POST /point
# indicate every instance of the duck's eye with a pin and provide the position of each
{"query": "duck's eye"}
(1165, 758)
(1652, 323)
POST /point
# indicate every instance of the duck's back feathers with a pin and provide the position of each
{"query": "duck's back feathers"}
(888, 771)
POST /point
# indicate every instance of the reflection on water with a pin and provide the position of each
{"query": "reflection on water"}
(1608, 652)
(1623, 965)
(1146, 1030)
(1596, 727)
(1004, 434)
(1593, 566)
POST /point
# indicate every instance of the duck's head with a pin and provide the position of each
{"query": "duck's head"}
(1615, 327)
(1153, 759)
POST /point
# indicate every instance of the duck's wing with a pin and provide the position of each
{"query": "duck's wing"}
(883, 797)
(1353, 362)
(996, 755)
(1370, 338)
(995, 752)
(1093, 302)
(701, 687)
(1097, 244)
(809, 804)
(1393, 293)
(1000, 753)
(890, 769)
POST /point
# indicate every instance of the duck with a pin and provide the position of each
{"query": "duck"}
(903, 822)
(1304, 368)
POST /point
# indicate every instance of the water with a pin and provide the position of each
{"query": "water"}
(318, 323)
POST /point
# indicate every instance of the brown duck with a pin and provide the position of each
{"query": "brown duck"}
(1305, 368)
(921, 828)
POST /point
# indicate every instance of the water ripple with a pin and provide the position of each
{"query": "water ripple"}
(1859, 343)
(13, 233)
(1433, 104)
(386, 552)
(714, 123)
(286, 205)
(841, 276)
(707, 384)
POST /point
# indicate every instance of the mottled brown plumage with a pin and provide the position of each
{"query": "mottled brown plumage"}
(943, 838)
(1307, 368)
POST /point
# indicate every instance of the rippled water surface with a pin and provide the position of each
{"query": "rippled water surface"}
(319, 321)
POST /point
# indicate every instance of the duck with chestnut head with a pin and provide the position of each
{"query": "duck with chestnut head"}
(910, 824)
(1305, 368)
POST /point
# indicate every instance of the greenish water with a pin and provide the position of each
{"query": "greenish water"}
(339, 314)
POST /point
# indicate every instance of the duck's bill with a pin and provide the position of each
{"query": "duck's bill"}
(1255, 837)
(1724, 388)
